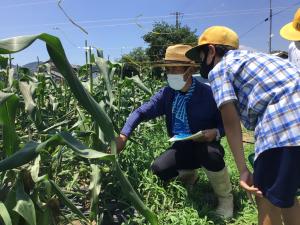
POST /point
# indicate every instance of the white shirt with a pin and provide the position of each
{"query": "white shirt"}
(294, 53)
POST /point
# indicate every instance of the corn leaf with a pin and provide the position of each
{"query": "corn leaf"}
(61, 62)
(35, 169)
(27, 95)
(10, 79)
(19, 158)
(8, 107)
(30, 106)
(66, 201)
(11, 72)
(4, 214)
(99, 53)
(45, 217)
(25, 206)
(136, 80)
(32, 149)
(82, 150)
(94, 188)
(103, 68)
(134, 198)
(10, 203)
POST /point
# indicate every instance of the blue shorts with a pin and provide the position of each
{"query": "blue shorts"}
(277, 175)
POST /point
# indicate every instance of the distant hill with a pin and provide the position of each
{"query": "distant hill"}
(32, 66)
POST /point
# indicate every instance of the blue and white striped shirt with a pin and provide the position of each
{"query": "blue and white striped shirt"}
(266, 90)
(179, 114)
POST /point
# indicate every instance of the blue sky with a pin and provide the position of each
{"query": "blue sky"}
(117, 26)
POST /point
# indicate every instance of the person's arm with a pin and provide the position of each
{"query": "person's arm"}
(231, 121)
(149, 110)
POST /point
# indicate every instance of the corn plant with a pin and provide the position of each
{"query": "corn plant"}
(35, 199)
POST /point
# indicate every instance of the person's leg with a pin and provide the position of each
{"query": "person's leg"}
(213, 157)
(268, 214)
(188, 159)
(181, 159)
(165, 165)
(188, 177)
(216, 171)
(291, 216)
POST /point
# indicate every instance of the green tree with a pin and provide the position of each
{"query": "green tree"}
(3, 62)
(135, 62)
(164, 35)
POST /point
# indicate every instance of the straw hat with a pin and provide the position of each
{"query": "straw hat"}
(291, 31)
(218, 35)
(175, 56)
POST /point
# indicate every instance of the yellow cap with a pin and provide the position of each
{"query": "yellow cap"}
(217, 35)
(291, 31)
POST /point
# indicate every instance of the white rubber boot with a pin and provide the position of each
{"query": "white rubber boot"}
(188, 177)
(220, 182)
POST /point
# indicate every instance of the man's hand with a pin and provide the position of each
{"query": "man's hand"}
(121, 142)
(209, 135)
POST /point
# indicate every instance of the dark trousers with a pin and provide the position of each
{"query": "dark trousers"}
(188, 155)
(277, 175)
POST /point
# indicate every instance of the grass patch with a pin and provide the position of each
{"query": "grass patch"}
(172, 202)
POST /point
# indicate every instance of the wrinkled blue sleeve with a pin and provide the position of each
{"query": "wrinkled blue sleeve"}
(149, 110)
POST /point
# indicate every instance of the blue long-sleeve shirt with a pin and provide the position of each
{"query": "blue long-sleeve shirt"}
(202, 111)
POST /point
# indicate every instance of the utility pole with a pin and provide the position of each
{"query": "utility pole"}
(270, 30)
(9, 61)
(86, 53)
(177, 14)
(91, 70)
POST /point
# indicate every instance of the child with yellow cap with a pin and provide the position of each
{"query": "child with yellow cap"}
(263, 92)
(291, 32)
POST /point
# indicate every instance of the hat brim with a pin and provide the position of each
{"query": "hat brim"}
(288, 32)
(194, 53)
(174, 64)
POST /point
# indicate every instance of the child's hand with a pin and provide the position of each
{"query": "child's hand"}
(246, 182)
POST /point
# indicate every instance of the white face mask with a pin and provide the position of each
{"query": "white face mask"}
(176, 81)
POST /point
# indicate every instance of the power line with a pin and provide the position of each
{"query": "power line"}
(240, 12)
(27, 4)
(141, 18)
(266, 19)
(151, 22)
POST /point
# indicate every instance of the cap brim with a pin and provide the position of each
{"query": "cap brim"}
(193, 53)
(289, 32)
